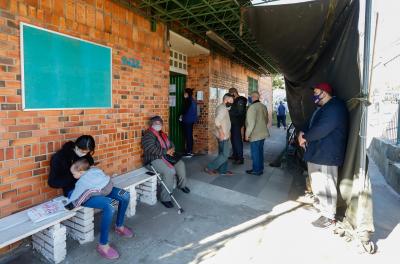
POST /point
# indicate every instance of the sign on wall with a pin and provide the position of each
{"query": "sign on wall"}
(63, 72)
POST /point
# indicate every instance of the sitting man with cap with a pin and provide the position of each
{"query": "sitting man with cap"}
(324, 141)
(157, 150)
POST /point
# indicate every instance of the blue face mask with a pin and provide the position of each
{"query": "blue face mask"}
(317, 98)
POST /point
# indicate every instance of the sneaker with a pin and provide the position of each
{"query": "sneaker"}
(109, 253)
(323, 222)
(231, 158)
(188, 155)
(210, 171)
(124, 231)
(251, 172)
(227, 173)
(185, 189)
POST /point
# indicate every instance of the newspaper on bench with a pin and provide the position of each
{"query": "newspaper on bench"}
(46, 210)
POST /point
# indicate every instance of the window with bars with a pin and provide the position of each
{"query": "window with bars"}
(177, 62)
(253, 84)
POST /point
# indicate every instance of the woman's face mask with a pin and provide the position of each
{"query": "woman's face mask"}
(79, 152)
(157, 127)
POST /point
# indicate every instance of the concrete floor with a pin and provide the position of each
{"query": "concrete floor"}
(240, 219)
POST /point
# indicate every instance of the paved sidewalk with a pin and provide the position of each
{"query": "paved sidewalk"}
(240, 219)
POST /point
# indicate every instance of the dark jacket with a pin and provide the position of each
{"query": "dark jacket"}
(189, 111)
(60, 175)
(281, 110)
(152, 149)
(237, 113)
(327, 134)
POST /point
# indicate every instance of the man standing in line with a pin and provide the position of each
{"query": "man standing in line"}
(325, 140)
(281, 115)
(237, 114)
(257, 132)
(222, 132)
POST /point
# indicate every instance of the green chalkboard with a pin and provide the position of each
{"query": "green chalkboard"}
(63, 72)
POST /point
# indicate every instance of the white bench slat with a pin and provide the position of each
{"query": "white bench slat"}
(135, 177)
(14, 233)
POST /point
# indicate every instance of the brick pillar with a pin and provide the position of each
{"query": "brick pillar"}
(51, 243)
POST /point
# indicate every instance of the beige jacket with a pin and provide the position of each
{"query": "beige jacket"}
(257, 122)
(222, 120)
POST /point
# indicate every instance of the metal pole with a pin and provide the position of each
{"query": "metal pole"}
(373, 57)
(364, 91)
(398, 123)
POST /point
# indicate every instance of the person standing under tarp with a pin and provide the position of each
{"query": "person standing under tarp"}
(237, 114)
(325, 140)
(189, 117)
(281, 115)
(257, 132)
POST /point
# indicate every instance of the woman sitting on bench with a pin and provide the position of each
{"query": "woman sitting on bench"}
(159, 152)
(61, 177)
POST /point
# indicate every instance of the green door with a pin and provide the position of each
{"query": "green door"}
(175, 110)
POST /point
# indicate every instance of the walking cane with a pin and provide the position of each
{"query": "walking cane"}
(180, 209)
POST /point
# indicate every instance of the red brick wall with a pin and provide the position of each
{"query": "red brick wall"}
(223, 74)
(265, 89)
(28, 139)
(199, 79)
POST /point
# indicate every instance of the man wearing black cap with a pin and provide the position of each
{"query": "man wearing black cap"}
(324, 141)
(237, 114)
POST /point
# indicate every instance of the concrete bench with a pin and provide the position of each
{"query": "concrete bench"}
(49, 236)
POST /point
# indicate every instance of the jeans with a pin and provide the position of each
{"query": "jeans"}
(257, 155)
(220, 163)
(237, 142)
(104, 203)
(188, 132)
(172, 177)
(281, 119)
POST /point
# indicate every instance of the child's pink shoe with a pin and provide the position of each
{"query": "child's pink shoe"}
(124, 231)
(109, 253)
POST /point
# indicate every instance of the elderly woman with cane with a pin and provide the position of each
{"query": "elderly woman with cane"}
(159, 152)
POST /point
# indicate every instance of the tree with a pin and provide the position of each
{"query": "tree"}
(278, 82)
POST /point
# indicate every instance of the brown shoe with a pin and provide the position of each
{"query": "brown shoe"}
(227, 173)
(210, 171)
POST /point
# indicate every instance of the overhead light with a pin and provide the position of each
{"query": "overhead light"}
(220, 41)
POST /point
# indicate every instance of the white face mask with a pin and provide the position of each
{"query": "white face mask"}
(157, 127)
(78, 152)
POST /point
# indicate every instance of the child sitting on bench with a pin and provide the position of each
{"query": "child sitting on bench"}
(91, 181)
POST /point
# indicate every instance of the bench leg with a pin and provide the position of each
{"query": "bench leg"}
(81, 226)
(147, 191)
(51, 243)
(131, 211)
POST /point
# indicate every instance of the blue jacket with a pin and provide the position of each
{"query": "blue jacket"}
(92, 179)
(281, 110)
(190, 115)
(327, 134)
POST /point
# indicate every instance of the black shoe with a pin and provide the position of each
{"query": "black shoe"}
(251, 172)
(323, 222)
(69, 206)
(185, 190)
(238, 162)
(168, 204)
(232, 158)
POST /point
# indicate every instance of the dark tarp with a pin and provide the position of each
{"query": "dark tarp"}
(313, 42)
